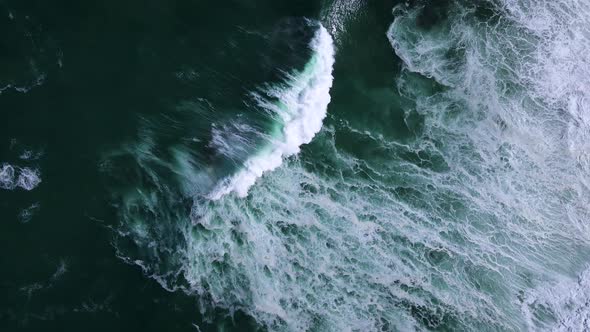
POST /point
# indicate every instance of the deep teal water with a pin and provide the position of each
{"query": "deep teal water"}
(186, 185)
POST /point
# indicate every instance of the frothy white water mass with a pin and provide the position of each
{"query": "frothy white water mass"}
(512, 124)
(300, 110)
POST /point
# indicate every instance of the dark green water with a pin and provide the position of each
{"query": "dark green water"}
(186, 185)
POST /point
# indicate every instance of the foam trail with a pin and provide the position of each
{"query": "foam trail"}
(301, 109)
(24, 88)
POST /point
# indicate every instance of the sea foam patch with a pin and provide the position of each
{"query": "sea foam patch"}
(12, 177)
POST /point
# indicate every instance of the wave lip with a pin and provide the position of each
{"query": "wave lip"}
(301, 109)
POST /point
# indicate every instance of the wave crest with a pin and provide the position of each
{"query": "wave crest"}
(300, 110)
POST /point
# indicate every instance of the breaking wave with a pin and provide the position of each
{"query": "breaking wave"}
(300, 110)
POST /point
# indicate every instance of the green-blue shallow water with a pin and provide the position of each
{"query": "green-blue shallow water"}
(343, 165)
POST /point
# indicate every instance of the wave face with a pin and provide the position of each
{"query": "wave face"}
(299, 111)
(469, 222)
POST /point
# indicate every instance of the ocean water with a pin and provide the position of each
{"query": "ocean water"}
(305, 165)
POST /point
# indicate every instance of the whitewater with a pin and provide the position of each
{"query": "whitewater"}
(479, 221)
(299, 112)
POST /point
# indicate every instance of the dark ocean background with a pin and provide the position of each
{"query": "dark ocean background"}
(446, 190)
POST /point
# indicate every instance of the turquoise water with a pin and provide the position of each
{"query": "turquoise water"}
(295, 166)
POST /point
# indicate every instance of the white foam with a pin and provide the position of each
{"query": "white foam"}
(27, 214)
(339, 14)
(564, 306)
(39, 80)
(7, 177)
(14, 176)
(30, 155)
(301, 108)
(513, 126)
(29, 178)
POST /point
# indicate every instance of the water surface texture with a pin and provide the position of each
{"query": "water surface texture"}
(303, 165)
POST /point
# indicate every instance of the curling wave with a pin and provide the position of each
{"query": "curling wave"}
(300, 111)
